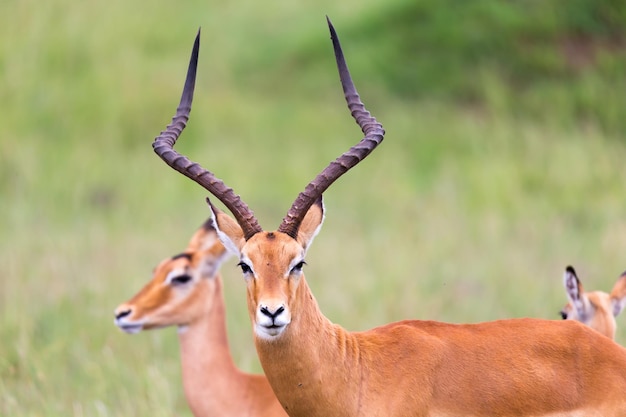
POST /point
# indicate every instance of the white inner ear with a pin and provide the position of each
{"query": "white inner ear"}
(307, 244)
(573, 294)
(571, 287)
(618, 305)
(226, 241)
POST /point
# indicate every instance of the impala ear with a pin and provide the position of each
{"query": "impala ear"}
(574, 289)
(311, 224)
(204, 238)
(618, 295)
(228, 231)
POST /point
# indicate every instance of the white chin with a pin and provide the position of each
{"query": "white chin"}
(268, 333)
(131, 328)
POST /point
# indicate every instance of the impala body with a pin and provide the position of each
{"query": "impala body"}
(186, 291)
(596, 309)
(521, 367)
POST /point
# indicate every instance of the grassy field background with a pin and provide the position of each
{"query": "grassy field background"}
(503, 163)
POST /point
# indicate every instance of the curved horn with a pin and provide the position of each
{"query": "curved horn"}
(374, 134)
(163, 145)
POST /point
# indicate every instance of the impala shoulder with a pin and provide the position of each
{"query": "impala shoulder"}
(410, 331)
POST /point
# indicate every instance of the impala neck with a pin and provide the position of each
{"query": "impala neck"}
(208, 369)
(299, 361)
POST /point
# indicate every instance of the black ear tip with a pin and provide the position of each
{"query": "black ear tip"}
(570, 270)
(211, 206)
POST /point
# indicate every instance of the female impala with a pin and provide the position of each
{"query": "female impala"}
(596, 309)
(186, 291)
(521, 367)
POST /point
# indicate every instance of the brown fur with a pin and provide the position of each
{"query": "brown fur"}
(596, 309)
(213, 384)
(521, 367)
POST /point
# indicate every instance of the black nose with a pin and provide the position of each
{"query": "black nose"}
(123, 314)
(271, 315)
(563, 315)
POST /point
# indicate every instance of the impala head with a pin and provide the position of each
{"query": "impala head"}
(271, 261)
(596, 309)
(181, 288)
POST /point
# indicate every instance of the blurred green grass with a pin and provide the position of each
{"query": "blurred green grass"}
(502, 164)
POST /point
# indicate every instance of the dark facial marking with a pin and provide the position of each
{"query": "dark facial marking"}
(182, 255)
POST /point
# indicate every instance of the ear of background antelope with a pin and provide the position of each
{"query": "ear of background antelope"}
(596, 309)
(574, 288)
(618, 295)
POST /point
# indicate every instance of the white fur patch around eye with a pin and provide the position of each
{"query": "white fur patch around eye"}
(173, 274)
(244, 259)
(293, 263)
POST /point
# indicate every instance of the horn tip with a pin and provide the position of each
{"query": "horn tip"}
(197, 40)
(333, 34)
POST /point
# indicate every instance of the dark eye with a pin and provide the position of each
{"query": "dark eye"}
(181, 279)
(245, 268)
(298, 267)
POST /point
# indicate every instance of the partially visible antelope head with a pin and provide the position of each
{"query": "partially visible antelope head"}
(596, 309)
(182, 287)
(271, 261)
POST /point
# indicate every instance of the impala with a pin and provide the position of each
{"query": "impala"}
(596, 309)
(519, 367)
(186, 291)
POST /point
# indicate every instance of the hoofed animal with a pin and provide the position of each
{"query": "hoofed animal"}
(596, 309)
(186, 291)
(520, 367)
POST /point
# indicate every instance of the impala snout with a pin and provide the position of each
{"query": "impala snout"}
(122, 320)
(271, 319)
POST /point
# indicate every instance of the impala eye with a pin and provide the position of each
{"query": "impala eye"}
(180, 279)
(298, 267)
(245, 268)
